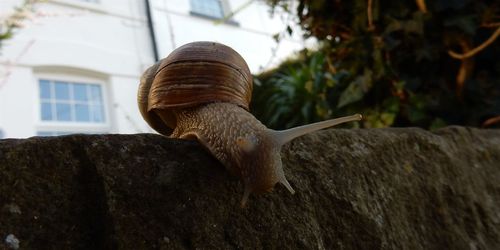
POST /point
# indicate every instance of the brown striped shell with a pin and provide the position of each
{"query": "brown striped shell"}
(193, 74)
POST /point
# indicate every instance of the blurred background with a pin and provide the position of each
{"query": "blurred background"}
(73, 66)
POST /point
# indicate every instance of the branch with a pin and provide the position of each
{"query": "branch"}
(465, 68)
(421, 5)
(491, 121)
(490, 25)
(476, 50)
(370, 15)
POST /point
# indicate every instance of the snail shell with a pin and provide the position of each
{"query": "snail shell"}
(193, 74)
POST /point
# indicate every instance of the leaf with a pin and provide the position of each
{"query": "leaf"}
(437, 123)
(289, 30)
(423, 53)
(378, 63)
(394, 25)
(390, 42)
(465, 23)
(276, 37)
(387, 119)
(309, 86)
(416, 110)
(356, 89)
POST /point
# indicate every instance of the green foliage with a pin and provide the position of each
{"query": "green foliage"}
(296, 94)
(396, 70)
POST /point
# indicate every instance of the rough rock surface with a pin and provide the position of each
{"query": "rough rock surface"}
(356, 189)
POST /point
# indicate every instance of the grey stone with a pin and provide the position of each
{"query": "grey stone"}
(355, 189)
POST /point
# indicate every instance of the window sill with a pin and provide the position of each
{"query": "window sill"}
(61, 125)
(216, 19)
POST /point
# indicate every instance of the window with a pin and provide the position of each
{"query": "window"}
(208, 8)
(54, 133)
(70, 104)
(62, 101)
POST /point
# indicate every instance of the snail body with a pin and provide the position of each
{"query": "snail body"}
(202, 91)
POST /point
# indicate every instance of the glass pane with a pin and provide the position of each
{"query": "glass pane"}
(215, 8)
(44, 89)
(195, 5)
(80, 92)
(82, 113)
(211, 8)
(46, 111)
(97, 113)
(63, 112)
(62, 90)
(95, 92)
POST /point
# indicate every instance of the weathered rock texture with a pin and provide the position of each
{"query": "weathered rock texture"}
(356, 189)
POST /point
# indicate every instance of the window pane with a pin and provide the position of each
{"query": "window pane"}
(97, 113)
(71, 102)
(44, 89)
(63, 112)
(82, 113)
(62, 91)
(95, 92)
(80, 92)
(211, 8)
(46, 111)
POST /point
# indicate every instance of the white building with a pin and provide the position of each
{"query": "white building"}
(75, 66)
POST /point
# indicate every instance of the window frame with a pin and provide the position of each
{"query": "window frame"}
(72, 126)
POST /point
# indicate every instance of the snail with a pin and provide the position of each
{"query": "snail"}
(202, 91)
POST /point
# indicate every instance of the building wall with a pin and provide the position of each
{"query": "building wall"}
(250, 31)
(108, 43)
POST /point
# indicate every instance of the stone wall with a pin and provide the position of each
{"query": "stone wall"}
(355, 189)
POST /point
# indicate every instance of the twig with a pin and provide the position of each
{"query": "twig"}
(370, 15)
(421, 5)
(490, 25)
(464, 70)
(331, 68)
(476, 50)
(491, 121)
(461, 76)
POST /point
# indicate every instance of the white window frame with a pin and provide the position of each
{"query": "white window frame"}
(72, 126)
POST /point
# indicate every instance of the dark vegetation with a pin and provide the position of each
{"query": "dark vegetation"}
(399, 63)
